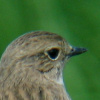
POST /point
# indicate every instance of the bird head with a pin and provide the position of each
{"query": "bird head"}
(37, 55)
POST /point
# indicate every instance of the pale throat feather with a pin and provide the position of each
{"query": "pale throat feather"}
(60, 80)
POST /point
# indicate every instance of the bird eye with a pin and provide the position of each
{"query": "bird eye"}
(53, 53)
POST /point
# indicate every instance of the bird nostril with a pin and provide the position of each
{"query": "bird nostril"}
(72, 50)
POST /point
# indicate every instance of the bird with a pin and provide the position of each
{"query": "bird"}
(31, 68)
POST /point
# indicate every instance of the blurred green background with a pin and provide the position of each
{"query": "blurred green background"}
(78, 21)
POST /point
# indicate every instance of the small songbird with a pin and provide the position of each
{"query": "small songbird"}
(31, 67)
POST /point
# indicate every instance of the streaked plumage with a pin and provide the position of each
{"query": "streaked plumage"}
(29, 72)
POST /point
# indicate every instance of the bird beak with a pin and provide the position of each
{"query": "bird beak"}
(76, 51)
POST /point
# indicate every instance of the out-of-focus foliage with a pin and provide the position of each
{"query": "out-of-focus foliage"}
(78, 21)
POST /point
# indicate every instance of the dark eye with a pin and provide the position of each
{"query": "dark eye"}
(53, 53)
